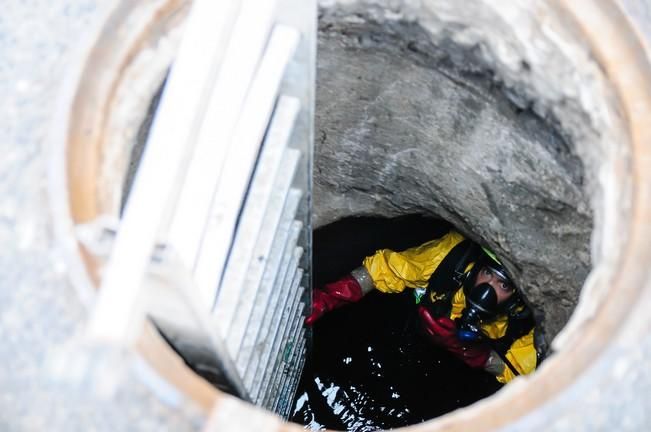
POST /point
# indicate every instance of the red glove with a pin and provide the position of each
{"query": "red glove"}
(443, 332)
(331, 296)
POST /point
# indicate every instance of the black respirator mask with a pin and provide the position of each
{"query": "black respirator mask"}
(481, 306)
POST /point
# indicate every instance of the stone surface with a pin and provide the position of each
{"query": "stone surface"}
(406, 126)
(40, 312)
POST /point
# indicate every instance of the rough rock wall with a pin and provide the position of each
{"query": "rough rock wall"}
(404, 126)
(40, 309)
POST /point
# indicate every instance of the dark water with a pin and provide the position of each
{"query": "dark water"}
(370, 368)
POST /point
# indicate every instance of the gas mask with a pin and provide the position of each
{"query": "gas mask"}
(481, 306)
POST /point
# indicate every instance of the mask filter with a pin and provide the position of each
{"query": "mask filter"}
(481, 306)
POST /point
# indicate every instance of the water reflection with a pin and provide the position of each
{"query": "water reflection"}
(370, 368)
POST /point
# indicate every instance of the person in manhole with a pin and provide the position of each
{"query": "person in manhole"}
(465, 299)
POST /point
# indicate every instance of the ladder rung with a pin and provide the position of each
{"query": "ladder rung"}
(284, 242)
(236, 69)
(241, 156)
(233, 294)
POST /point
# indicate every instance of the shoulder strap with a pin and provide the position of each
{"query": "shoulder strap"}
(448, 275)
(515, 330)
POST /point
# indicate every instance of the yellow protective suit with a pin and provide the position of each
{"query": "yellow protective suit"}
(392, 272)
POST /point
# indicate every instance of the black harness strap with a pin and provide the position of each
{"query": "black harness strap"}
(447, 275)
(446, 278)
(514, 331)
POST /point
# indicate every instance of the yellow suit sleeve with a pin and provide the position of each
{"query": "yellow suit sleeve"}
(393, 271)
(522, 356)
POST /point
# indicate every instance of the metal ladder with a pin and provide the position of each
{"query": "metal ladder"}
(215, 240)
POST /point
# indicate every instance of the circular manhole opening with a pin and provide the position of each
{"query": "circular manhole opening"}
(563, 67)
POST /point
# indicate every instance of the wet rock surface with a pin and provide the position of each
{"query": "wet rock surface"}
(406, 126)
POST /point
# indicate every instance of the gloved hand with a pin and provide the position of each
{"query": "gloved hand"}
(333, 295)
(443, 331)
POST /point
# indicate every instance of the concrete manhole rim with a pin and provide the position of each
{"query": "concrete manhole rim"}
(87, 102)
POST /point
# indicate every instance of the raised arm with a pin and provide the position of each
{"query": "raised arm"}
(385, 270)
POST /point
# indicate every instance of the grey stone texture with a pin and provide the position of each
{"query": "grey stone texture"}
(611, 395)
(40, 313)
(406, 126)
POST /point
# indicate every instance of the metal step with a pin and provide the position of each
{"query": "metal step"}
(253, 372)
(286, 238)
(217, 226)
(283, 401)
(261, 368)
(249, 254)
(284, 366)
(233, 74)
(238, 166)
(280, 341)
